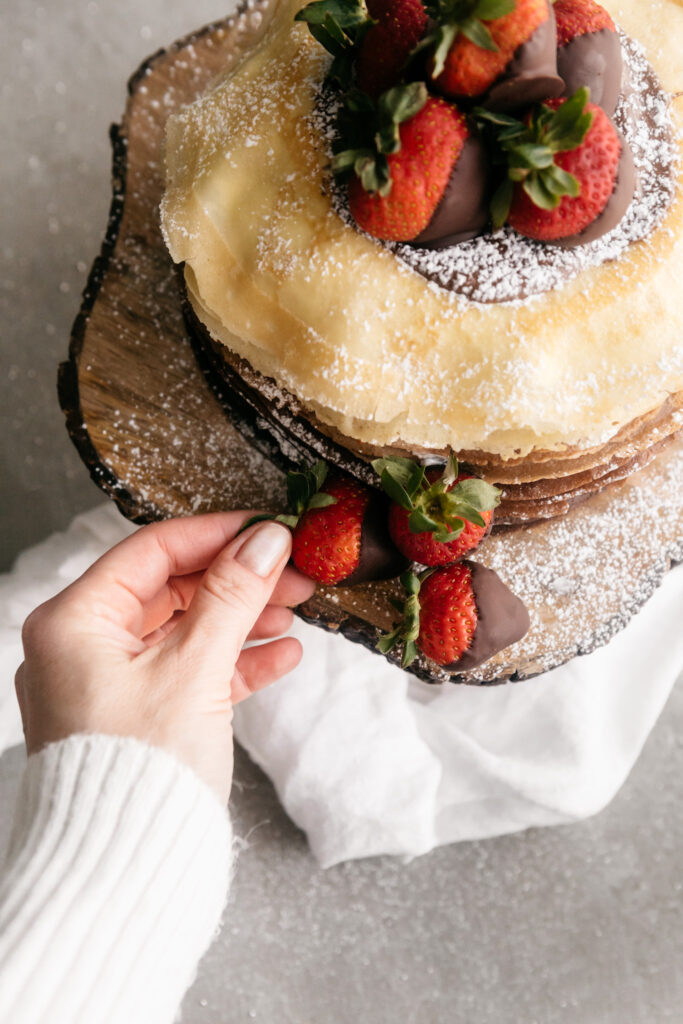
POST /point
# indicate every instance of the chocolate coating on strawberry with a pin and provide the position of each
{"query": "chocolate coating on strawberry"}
(618, 203)
(463, 210)
(505, 62)
(502, 618)
(378, 557)
(532, 75)
(593, 60)
(346, 542)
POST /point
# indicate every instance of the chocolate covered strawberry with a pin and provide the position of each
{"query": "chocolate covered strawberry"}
(569, 177)
(458, 616)
(415, 171)
(435, 516)
(498, 52)
(383, 52)
(341, 27)
(339, 529)
(588, 51)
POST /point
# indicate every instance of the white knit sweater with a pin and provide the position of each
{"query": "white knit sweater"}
(115, 880)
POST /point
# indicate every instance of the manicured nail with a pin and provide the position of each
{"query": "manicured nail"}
(267, 546)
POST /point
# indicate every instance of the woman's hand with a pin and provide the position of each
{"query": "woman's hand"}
(148, 642)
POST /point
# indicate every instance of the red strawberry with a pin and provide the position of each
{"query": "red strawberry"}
(578, 17)
(429, 507)
(589, 51)
(479, 48)
(570, 174)
(385, 49)
(339, 529)
(346, 542)
(403, 154)
(458, 616)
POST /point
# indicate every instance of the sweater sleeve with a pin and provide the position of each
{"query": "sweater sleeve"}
(115, 880)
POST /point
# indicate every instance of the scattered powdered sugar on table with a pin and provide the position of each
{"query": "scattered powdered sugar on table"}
(504, 266)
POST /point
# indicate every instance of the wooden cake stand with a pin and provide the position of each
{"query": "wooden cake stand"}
(162, 442)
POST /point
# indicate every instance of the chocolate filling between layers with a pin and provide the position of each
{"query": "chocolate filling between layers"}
(593, 59)
(502, 619)
(378, 559)
(531, 76)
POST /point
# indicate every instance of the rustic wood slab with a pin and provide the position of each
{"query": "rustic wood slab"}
(161, 442)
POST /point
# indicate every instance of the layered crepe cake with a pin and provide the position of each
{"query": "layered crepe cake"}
(551, 371)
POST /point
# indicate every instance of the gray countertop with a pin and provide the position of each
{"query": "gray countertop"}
(580, 923)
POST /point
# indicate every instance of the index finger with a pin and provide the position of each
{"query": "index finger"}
(121, 582)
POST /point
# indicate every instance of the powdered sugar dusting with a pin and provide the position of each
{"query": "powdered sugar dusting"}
(504, 267)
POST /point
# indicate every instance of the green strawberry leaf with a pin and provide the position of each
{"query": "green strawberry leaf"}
(298, 490)
(532, 155)
(443, 38)
(477, 33)
(409, 654)
(396, 490)
(419, 522)
(539, 193)
(262, 517)
(561, 183)
(446, 536)
(501, 202)
(406, 472)
(461, 510)
(489, 10)
(286, 520)
(346, 13)
(319, 473)
(322, 500)
(387, 642)
(477, 493)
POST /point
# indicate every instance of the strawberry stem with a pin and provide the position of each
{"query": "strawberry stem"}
(441, 507)
(451, 18)
(407, 629)
(304, 492)
(368, 132)
(528, 150)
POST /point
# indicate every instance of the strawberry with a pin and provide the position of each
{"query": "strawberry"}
(458, 616)
(477, 48)
(340, 26)
(383, 53)
(579, 17)
(435, 518)
(339, 533)
(588, 51)
(402, 154)
(564, 165)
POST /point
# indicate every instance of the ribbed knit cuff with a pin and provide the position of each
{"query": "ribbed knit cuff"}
(115, 880)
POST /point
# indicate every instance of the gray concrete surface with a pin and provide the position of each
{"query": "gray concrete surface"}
(575, 925)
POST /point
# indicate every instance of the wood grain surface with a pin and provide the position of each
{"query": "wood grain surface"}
(161, 442)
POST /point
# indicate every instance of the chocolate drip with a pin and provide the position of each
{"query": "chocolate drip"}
(531, 76)
(379, 558)
(618, 203)
(502, 619)
(593, 59)
(463, 210)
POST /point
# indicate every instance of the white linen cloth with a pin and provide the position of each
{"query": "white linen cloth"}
(367, 760)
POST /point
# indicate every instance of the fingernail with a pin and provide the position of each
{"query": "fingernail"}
(265, 549)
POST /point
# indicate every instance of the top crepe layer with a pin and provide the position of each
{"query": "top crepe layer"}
(375, 350)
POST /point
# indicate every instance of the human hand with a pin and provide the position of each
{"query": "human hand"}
(148, 642)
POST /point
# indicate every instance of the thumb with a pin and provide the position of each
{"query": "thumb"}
(232, 594)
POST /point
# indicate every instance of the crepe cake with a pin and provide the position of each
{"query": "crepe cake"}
(552, 371)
